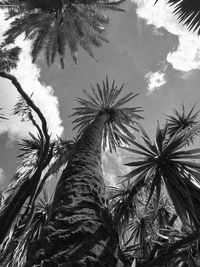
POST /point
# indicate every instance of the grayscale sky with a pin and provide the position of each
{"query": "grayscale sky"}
(148, 51)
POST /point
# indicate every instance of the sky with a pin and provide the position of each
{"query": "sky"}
(149, 51)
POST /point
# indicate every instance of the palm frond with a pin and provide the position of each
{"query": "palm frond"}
(180, 121)
(9, 58)
(188, 12)
(103, 100)
(26, 230)
(22, 109)
(53, 25)
(117, 198)
(165, 161)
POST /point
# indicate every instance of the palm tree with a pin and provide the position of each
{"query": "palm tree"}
(80, 231)
(182, 120)
(15, 246)
(58, 24)
(166, 165)
(188, 12)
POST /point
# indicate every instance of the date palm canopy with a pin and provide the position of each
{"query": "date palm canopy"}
(54, 25)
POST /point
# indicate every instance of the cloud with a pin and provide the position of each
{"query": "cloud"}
(113, 166)
(110, 178)
(2, 179)
(186, 56)
(28, 74)
(155, 80)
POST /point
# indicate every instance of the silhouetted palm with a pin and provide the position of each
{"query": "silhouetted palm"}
(80, 193)
(180, 121)
(171, 163)
(104, 101)
(188, 12)
(166, 163)
(26, 230)
(64, 23)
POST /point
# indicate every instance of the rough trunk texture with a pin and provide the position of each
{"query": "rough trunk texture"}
(79, 231)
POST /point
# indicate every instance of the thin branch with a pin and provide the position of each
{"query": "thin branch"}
(27, 189)
(29, 102)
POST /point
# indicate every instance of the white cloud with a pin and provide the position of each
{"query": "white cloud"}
(187, 55)
(155, 80)
(2, 179)
(110, 178)
(111, 174)
(28, 75)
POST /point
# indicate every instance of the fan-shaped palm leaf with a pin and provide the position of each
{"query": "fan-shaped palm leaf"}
(170, 163)
(64, 23)
(180, 121)
(188, 12)
(103, 100)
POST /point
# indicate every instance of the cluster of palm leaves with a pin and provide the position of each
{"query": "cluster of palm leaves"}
(54, 26)
(22, 212)
(8, 58)
(156, 208)
(155, 198)
(103, 100)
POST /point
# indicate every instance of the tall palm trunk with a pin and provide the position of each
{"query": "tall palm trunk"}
(79, 231)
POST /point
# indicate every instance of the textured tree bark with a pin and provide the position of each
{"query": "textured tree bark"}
(80, 230)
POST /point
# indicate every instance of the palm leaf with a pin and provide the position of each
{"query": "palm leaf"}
(180, 121)
(103, 101)
(170, 164)
(188, 12)
(53, 25)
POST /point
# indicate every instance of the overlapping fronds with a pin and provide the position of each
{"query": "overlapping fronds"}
(175, 247)
(30, 150)
(138, 242)
(61, 154)
(117, 197)
(22, 109)
(54, 27)
(171, 164)
(103, 100)
(26, 230)
(188, 12)
(23, 188)
(9, 58)
(180, 121)
(142, 237)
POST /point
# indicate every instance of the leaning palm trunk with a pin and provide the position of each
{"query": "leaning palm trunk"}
(79, 231)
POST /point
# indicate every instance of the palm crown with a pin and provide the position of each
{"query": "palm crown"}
(103, 100)
(180, 121)
(167, 161)
(71, 23)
